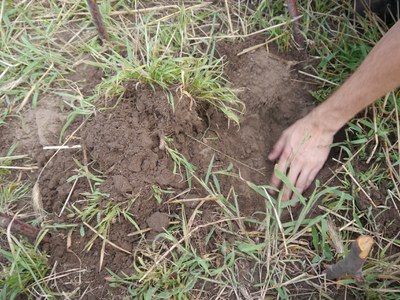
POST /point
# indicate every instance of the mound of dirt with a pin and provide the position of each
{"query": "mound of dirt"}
(122, 146)
(125, 142)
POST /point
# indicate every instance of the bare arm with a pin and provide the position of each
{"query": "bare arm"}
(304, 147)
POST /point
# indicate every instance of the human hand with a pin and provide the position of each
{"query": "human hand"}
(302, 150)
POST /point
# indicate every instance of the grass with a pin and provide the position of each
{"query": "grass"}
(160, 52)
(26, 272)
(100, 209)
(181, 263)
(180, 161)
(228, 255)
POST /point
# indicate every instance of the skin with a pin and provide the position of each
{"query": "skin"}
(303, 148)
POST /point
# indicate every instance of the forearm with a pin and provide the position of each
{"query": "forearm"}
(376, 76)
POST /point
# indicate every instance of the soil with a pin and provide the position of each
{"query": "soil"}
(123, 145)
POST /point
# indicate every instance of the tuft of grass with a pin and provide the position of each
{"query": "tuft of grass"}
(160, 52)
(32, 60)
(159, 192)
(26, 272)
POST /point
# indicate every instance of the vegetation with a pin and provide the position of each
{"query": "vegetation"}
(173, 45)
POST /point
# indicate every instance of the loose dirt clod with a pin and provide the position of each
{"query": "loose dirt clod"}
(158, 221)
(122, 184)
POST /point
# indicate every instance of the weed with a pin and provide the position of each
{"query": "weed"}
(158, 192)
(99, 207)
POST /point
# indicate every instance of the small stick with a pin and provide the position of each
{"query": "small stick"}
(259, 45)
(149, 229)
(62, 147)
(68, 197)
(318, 78)
(19, 168)
(20, 227)
(106, 240)
(360, 187)
(352, 264)
(192, 200)
(242, 36)
(97, 19)
(139, 232)
(229, 17)
(292, 6)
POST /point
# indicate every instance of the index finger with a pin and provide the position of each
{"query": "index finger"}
(275, 181)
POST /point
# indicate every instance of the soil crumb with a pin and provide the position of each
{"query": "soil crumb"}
(158, 221)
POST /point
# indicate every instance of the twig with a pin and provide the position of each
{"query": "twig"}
(139, 232)
(192, 199)
(292, 7)
(19, 168)
(228, 14)
(107, 241)
(62, 147)
(360, 187)
(375, 134)
(259, 45)
(20, 227)
(58, 150)
(142, 10)
(97, 19)
(226, 155)
(318, 78)
(246, 35)
(28, 95)
(68, 197)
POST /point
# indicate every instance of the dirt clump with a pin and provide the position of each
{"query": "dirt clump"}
(158, 221)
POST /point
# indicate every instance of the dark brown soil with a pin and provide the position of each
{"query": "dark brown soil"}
(122, 146)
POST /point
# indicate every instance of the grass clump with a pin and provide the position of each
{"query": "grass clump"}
(162, 53)
(179, 160)
(31, 59)
(99, 208)
(26, 272)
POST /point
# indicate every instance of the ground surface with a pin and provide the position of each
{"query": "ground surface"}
(122, 223)
(123, 144)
